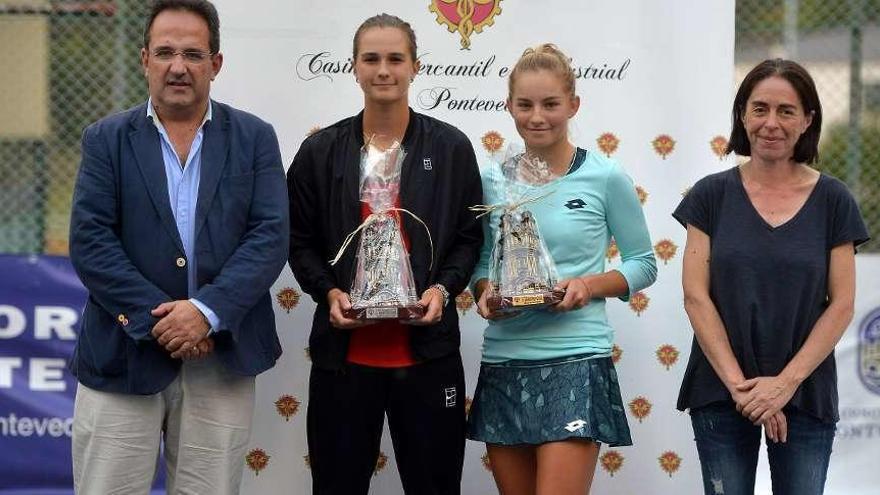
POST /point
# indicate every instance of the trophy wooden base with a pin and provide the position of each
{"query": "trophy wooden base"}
(401, 313)
(536, 300)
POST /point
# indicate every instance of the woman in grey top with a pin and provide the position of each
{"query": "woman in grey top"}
(769, 284)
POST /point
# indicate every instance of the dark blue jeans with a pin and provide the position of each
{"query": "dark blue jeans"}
(728, 447)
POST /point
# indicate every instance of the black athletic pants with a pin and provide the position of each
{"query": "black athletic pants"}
(425, 408)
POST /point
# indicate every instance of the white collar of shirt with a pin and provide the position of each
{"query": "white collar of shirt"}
(151, 114)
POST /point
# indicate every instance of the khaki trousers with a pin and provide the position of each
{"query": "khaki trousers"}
(203, 417)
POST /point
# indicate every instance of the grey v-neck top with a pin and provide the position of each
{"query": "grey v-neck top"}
(769, 284)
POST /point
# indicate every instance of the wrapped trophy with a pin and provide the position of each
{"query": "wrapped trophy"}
(522, 274)
(383, 286)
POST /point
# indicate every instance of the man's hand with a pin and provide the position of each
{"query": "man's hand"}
(181, 326)
(340, 302)
(196, 352)
(432, 301)
(577, 294)
(765, 396)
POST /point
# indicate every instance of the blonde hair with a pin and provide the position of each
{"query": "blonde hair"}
(546, 56)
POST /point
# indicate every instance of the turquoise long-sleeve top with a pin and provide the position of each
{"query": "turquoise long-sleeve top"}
(581, 212)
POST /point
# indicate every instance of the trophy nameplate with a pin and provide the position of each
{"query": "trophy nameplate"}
(525, 281)
(402, 313)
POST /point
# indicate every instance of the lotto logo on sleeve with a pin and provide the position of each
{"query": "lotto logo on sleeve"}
(451, 396)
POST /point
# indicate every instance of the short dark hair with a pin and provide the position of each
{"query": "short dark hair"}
(806, 150)
(386, 21)
(202, 8)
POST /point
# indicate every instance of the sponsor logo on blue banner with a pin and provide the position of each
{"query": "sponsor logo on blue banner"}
(869, 351)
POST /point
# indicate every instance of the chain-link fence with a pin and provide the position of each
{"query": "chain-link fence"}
(63, 65)
(66, 63)
(839, 44)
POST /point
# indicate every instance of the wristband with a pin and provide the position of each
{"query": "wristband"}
(443, 292)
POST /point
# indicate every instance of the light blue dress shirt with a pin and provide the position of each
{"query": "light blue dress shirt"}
(183, 194)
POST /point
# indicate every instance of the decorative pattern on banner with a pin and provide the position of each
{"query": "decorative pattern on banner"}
(464, 302)
(719, 146)
(642, 194)
(640, 408)
(287, 406)
(381, 461)
(670, 462)
(607, 143)
(639, 302)
(612, 251)
(663, 145)
(611, 461)
(616, 354)
(287, 298)
(485, 460)
(492, 141)
(665, 250)
(257, 460)
(667, 355)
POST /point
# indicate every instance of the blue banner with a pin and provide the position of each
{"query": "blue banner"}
(41, 300)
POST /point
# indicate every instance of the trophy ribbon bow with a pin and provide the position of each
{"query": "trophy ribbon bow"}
(487, 209)
(373, 218)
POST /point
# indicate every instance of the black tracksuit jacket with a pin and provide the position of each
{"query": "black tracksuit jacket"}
(440, 179)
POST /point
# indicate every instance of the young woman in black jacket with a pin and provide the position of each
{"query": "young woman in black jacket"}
(363, 370)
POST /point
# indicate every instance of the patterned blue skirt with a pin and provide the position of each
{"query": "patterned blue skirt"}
(532, 402)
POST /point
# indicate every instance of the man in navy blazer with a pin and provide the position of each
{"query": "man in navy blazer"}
(178, 229)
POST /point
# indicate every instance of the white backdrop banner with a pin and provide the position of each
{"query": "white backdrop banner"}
(656, 84)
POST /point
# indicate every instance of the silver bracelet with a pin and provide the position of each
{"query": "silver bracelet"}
(443, 292)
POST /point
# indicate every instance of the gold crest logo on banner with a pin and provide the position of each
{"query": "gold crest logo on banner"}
(466, 16)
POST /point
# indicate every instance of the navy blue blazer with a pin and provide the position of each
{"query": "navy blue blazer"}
(126, 249)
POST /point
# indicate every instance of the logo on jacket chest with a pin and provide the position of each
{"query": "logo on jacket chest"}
(575, 204)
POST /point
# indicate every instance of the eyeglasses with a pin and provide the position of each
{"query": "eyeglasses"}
(189, 56)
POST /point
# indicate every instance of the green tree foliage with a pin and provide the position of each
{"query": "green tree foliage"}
(833, 154)
(764, 20)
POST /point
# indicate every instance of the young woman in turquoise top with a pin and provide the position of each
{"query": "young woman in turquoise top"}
(547, 394)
